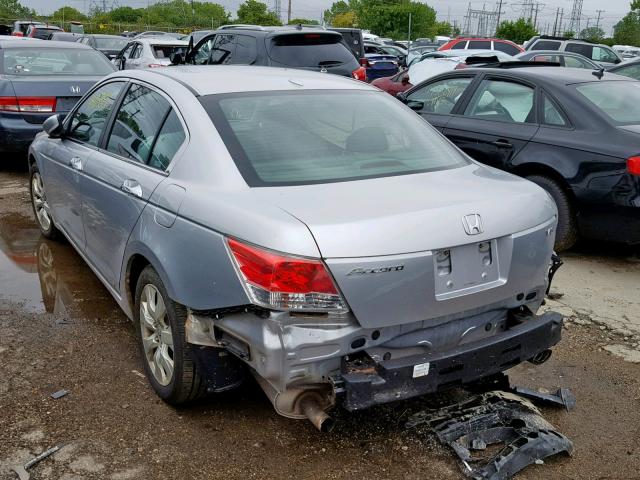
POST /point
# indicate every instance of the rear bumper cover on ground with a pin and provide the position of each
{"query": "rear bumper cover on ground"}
(375, 383)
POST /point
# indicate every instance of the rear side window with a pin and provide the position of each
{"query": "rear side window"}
(459, 46)
(581, 48)
(246, 50)
(551, 113)
(502, 101)
(309, 50)
(546, 45)
(137, 123)
(506, 48)
(307, 137)
(601, 54)
(479, 45)
(169, 141)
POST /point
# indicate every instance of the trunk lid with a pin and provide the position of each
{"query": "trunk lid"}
(67, 90)
(403, 255)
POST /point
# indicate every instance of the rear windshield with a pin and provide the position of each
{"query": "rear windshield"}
(106, 43)
(294, 138)
(54, 61)
(620, 101)
(165, 51)
(309, 50)
(43, 33)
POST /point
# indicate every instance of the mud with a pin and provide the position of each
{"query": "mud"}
(60, 329)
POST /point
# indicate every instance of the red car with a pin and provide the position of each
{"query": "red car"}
(394, 84)
(505, 46)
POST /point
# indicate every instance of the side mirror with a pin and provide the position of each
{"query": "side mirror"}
(402, 96)
(53, 126)
(415, 105)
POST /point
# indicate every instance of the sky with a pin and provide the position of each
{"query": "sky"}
(454, 10)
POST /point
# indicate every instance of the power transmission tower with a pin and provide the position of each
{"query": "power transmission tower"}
(576, 16)
(600, 12)
(498, 17)
(289, 12)
(484, 21)
(555, 24)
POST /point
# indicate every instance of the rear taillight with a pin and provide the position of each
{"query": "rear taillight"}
(360, 73)
(364, 62)
(28, 104)
(17, 34)
(633, 165)
(285, 283)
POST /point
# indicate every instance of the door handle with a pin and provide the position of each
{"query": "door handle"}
(76, 163)
(502, 144)
(133, 187)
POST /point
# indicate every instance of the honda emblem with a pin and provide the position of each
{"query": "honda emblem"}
(472, 224)
(75, 89)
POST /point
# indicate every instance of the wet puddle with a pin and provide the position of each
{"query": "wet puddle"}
(47, 276)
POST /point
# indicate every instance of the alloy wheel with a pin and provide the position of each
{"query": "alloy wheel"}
(157, 338)
(39, 200)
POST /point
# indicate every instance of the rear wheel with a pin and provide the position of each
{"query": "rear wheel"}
(567, 231)
(40, 205)
(160, 324)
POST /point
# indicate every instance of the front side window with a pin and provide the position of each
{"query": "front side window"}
(293, 138)
(88, 121)
(502, 101)
(506, 48)
(137, 123)
(546, 58)
(54, 61)
(137, 51)
(201, 55)
(619, 101)
(223, 49)
(439, 97)
(583, 49)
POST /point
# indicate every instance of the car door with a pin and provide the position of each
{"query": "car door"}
(123, 56)
(125, 172)
(134, 60)
(436, 101)
(498, 120)
(64, 169)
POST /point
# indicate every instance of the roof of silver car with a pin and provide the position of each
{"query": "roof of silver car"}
(214, 79)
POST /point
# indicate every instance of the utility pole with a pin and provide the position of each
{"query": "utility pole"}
(289, 12)
(499, 14)
(535, 18)
(560, 31)
(409, 39)
(600, 12)
(555, 25)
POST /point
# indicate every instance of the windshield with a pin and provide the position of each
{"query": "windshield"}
(54, 61)
(309, 50)
(106, 43)
(293, 138)
(620, 101)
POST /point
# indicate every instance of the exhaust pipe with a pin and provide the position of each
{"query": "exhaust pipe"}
(541, 357)
(311, 407)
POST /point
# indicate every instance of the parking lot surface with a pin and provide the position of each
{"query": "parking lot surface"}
(60, 329)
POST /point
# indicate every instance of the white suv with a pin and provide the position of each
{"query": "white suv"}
(601, 54)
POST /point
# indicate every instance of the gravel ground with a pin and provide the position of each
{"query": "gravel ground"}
(60, 329)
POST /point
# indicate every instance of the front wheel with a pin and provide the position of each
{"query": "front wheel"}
(160, 324)
(567, 231)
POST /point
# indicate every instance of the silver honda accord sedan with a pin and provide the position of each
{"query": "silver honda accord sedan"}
(301, 227)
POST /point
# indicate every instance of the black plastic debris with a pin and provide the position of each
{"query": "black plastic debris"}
(495, 434)
(560, 398)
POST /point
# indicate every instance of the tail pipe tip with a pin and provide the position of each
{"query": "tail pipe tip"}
(310, 406)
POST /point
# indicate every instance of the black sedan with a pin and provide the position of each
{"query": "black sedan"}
(574, 132)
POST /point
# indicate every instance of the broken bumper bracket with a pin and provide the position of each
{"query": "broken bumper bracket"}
(386, 381)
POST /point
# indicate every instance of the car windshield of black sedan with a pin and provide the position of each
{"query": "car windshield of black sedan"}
(620, 101)
(53, 61)
(290, 138)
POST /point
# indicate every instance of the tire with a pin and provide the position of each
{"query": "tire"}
(172, 371)
(567, 231)
(40, 206)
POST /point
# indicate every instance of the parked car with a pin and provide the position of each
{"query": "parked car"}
(599, 53)
(627, 52)
(40, 78)
(434, 64)
(42, 32)
(149, 52)
(109, 45)
(198, 35)
(628, 69)
(60, 36)
(417, 52)
(474, 43)
(20, 27)
(565, 59)
(571, 132)
(239, 234)
(353, 40)
(399, 53)
(157, 33)
(289, 46)
(381, 65)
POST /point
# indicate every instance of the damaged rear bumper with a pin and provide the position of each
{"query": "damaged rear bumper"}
(364, 382)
